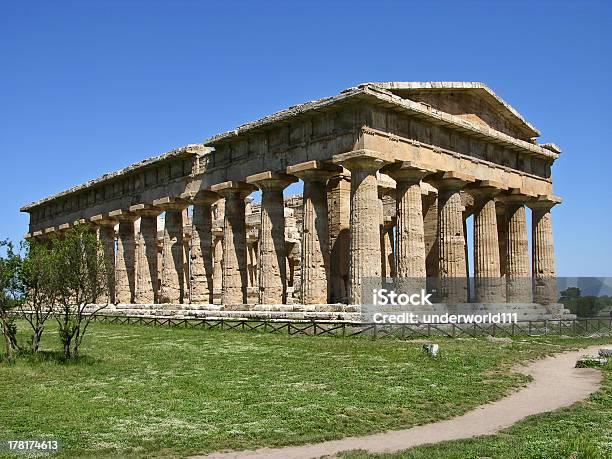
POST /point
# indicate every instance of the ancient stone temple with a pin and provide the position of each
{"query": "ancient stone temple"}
(392, 173)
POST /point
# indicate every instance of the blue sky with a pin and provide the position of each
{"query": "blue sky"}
(90, 87)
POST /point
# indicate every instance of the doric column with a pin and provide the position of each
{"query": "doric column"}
(518, 275)
(125, 266)
(146, 258)
(451, 238)
(234, 285)
(489, 288)
(365, 220)
(217, 260)
(252, 259)
(410, 234)
(315, 273)
(431, 230)
(543, 252)
(502, 237)
(173, 253)
(387, 251)
(202, 269)
(339, 215)
(272, 259)
(106, 236)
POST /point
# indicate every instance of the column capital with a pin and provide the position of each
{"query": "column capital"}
(314, 170)
(408, 171)
(544, 202)
(517, 196)
(450, 180)
(271, 180)
(170, 203)
(231, 188)
(121, 214)
(485, 189)
(369, 160)
(145, 210)
(201, 197)
(103, 220)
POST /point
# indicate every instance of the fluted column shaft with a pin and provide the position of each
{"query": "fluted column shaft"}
(315, 282)
(451, 238)
(273, 266)
(173, 258)
(218, 263)
(518, 276)
(543, 253)
(410, 230)
(387, 254)
(365, 229)
(410, 242)
(202, 250)
(272, 254)
(147, 267)
(106, 236)
(235, 281)
(125, 267)
(339, 210)
(234, 251)
(486, 246)
(364, 247)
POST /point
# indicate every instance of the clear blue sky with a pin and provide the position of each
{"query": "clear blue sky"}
(90, 87)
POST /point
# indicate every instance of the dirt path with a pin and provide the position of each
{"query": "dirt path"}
(556, 384)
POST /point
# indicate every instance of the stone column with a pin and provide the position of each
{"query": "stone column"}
(272, 258)
(125, 266)
(451, 238)
(217, 259)
(339, 213)
(518, 275)
(106, 236)
(365, 219)
(315, 279)
(502, 237)
(146, 260)
(202, 269)
(543, 252)
(410, 233)
(489, 288)
(173, 254)
(431, 229)
(387, 253)
(234, 285)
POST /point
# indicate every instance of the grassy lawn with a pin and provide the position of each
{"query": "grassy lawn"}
(168, 392)
(583, 431)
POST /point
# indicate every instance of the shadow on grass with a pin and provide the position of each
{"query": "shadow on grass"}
(50, 357)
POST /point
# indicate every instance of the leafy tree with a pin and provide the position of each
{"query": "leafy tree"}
(84, 282)
(39, 279)
(584, 306)
(10, 296)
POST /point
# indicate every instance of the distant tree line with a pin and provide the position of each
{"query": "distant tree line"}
(584, 306)
(59, 279)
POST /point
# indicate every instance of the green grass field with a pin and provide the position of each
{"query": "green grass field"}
(169, 392)
(583, 431)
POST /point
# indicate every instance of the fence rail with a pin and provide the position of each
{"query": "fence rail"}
(553, 327)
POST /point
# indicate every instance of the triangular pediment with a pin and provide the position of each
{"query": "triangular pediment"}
(474, 102)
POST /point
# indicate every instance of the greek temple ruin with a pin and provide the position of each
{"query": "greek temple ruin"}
(392, 173)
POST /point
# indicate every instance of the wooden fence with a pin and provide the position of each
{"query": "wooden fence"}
(558, 327)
